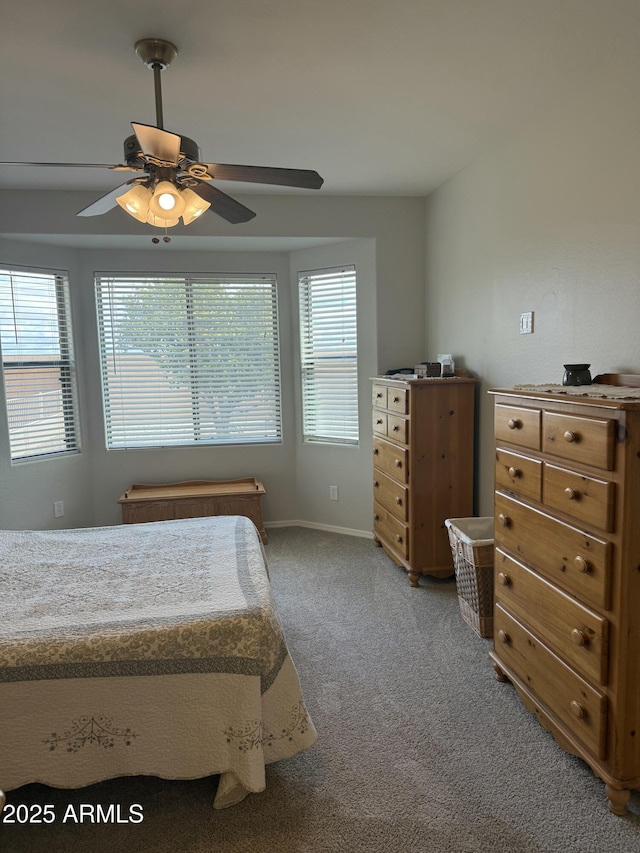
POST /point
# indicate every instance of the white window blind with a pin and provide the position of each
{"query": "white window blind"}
(329, 355)
(37, 363)
(189, 359)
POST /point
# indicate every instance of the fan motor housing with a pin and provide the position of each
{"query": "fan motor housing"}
(134, 156)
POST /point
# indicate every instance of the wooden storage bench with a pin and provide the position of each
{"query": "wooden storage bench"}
(194, 499)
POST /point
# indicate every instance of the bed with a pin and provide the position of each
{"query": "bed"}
(144, 649)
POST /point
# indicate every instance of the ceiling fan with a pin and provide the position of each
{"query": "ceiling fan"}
(171, 181)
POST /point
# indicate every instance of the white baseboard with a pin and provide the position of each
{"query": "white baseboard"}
(330, 528)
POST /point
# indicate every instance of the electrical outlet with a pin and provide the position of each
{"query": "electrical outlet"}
(333, 493)
(58, 509)
(526, 323)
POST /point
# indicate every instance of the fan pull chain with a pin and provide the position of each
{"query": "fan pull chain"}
(165, 239)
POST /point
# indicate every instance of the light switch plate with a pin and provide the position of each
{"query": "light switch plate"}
(526, 323)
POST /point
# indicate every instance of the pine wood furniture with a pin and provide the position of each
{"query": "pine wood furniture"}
(423, 433)
(567, 574)
(194, 499)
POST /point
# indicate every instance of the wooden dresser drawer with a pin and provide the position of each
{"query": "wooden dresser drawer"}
(398, 400)
(379, 396)
(386, 526)
(393, 426)
(391, 459)
(379, 422)
(390, 495)
(518, 474)
(588, 499)
(398, 428)
(571, 699)
(578, 562)
(518, 425)
(579, 635)
(590, 441)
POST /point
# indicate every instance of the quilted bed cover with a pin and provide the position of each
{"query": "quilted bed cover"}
(151, 649)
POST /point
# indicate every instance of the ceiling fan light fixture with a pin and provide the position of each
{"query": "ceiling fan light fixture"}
(166, 201)
(160, 221)
(194, 206)
(167, 166)
(136, 202)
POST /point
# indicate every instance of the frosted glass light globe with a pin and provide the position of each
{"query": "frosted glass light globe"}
(167, 201)
(167, 198)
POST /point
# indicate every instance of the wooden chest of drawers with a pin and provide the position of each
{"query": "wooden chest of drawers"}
(422, 468)
(567, 609)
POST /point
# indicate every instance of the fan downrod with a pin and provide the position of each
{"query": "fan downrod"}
(156, 54)
(153, 51)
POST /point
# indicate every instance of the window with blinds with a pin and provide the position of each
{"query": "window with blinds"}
(189, 360)
(37, 363)
(329, 355)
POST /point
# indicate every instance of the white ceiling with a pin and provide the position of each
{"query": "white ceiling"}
(387, 97)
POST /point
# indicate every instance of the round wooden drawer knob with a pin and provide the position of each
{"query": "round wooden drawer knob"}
(571, 494)
(514, 472)
(375, 451)
(570, 436)
(379, 421)
(504, 520)
(504, 579)
(578, 637)
(376, 517)
(503, 636)
(399, 501)
(398, 538)
(376, 484)
(396, 428)
(396, 399)
(581, 564)
(398, 463)
(577, 710)
(514, 423)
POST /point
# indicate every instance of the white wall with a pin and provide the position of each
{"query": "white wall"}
(391, 331)
(549, 223)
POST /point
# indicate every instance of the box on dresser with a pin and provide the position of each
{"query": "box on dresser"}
(423, 433)
(567, 582)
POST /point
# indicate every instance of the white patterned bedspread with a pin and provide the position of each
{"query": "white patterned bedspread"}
(149, 649)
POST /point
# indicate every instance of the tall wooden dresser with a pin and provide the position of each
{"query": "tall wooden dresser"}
(423, 433)
(567, 601)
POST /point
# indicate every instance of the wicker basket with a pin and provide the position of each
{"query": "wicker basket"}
(471, 541)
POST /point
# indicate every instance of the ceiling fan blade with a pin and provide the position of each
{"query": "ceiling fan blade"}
(305, 178)
(106, 202)
(158, 144)
(118, 168)
(222, 204)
